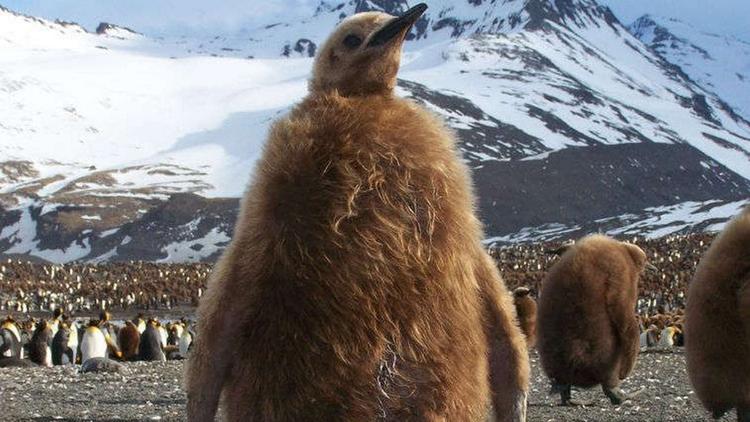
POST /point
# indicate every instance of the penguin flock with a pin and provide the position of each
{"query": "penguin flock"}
(62, 340)
(27, 287)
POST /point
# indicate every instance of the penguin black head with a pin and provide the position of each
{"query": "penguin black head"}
(363, 54)
(104, 316)
(521, 292)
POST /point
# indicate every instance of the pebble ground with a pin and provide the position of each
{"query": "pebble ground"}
(152, 392)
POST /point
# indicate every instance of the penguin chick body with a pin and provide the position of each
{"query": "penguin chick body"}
(587, 328)
(717, 323)
(356, 286)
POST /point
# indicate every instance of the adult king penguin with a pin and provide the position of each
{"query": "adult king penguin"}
(356, 286)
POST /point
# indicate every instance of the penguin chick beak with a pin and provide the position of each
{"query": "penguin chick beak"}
(397, 26)
(651, 269)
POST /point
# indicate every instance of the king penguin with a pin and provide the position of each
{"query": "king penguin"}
(93, 344)
(62, 353)
(11, 345)
(150, 346)
(40, 347)
(356, 286)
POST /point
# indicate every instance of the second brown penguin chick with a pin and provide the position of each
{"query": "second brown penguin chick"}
(588, 332)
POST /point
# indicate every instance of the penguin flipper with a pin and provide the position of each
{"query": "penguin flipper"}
(743, 301)
(211, 356)
(509, 365)
(625, 328)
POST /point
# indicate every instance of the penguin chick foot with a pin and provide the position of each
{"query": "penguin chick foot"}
(565, 399)
(576, 403)
(617, 396)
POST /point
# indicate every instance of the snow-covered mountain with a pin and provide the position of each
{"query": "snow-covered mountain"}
(118, 146)
(718, 63)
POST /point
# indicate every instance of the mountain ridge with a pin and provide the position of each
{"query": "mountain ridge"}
(560, 112)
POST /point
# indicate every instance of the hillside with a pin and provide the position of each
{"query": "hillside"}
(716, 62)
(117, 146)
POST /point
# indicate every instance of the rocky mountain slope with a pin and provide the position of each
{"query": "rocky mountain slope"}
(116, 146)
(716, 62)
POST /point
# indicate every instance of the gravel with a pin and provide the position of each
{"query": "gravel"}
(152, 391)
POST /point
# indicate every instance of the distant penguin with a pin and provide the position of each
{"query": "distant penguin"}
(667, 337)
(40, 347)
(10, 340)
(587, 328)
(174, 331)
(186, 340)
(93, 344)
(102, 365)
(15, 362)
(679, 338)
(73, 339)
(163, 334)
(649, 337)
(150, 346)
(140, 323)
(356, 285)
(526, 311)
(717, 322)
(129, 339)
(62, 353)
(54, 323)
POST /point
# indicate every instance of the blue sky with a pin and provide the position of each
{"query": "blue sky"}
(721, 16)
(183, 16)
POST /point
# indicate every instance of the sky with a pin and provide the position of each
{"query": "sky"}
(721, 16)
(173, 17)
(166, 17)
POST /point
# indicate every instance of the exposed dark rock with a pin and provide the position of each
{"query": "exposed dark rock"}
(102, 365)
(105, 27)
(487, 136)
(581, 185)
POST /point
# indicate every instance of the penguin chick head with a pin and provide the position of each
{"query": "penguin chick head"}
(363, 54)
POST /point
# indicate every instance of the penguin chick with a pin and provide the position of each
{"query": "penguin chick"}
(717, 328)
(129, 339)
(526, 311)
(356, 286)
(587, 330)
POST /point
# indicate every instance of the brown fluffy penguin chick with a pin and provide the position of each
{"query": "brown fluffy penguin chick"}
(129, 340)
(717, 329)
(587, 332)
(526, 311)
(356, 287)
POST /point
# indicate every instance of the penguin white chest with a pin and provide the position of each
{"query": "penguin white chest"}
(93, 344)
(185, 340)
(666, 339)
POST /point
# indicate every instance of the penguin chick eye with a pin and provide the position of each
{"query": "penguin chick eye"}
(352, 41)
